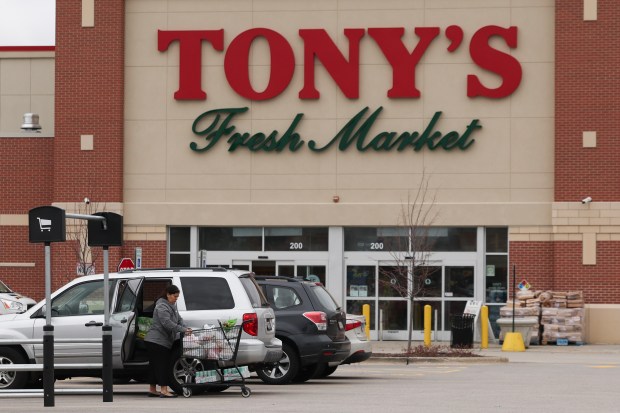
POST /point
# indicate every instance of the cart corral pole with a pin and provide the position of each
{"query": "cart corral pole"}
(48, 224)
(106, 231)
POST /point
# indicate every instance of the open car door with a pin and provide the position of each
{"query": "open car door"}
(123, 320)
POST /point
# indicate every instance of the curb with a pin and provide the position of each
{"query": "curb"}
(457, 360)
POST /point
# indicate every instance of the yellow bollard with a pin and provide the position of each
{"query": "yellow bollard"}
(484, 327)
(427, 325)
(366, 313)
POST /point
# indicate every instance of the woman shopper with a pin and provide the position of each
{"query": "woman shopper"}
(166, 328)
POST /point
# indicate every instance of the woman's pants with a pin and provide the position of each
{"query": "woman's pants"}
(159, 363)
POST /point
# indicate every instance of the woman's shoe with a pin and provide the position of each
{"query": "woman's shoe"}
(167, 396)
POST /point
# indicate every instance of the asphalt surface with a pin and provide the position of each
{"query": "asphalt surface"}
(543, 378)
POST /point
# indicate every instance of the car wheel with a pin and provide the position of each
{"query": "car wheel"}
(12, 379)
(283, 371)
(184, 371)
(312, 371)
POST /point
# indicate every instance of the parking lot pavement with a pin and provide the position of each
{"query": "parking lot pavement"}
(440, 387)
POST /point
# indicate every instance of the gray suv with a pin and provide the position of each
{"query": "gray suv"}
(207, 296)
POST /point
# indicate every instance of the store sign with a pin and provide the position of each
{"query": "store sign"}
(343, 66)
(216, 124)
(343, 69)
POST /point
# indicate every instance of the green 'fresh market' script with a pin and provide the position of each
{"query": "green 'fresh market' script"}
(356, 133)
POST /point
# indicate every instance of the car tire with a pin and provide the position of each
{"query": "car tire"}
(313, 371)
(12, 379)
(284, 370)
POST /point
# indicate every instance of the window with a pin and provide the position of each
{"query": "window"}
(376, 239)
(83, 299)
(179, 238)
(254, 291)
(296, 239)
(325, 298)
(459, 281)
(230, 239)
(497, 240)
(284, 297)
(127, 295)
(393, 239)
(207, 293)
(361, 280)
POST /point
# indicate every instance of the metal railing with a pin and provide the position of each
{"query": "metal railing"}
(23, 393)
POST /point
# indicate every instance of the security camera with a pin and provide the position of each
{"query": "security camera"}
(87, 201)
(586, 200)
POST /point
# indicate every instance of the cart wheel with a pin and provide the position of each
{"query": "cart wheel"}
(245, 392)
(187, 392)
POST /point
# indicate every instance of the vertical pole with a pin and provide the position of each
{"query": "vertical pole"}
(381, 324)
(484, 327)
(48, 335)
(514, 290)
(427, 325)
(106, 331)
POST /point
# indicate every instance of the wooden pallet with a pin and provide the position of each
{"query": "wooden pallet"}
(566, 342)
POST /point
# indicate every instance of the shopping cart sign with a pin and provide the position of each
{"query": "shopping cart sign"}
(524, 285)
(46, 224)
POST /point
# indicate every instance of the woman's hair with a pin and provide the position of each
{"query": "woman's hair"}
(171, 289)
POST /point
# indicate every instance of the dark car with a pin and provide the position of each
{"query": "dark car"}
(310, 324)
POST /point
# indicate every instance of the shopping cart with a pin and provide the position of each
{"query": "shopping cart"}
(209, 360)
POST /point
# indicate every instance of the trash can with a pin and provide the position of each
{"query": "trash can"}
(462, 328)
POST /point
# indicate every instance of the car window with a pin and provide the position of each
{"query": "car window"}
(4, 288)
(127, 295)
(324, 297)
(284, 297)
(254, 292)
(82, 299)
(207, 293)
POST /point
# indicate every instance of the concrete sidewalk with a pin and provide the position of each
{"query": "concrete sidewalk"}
(571, 354)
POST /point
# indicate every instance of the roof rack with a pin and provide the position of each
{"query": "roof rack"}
(174, 269)
(278, 277)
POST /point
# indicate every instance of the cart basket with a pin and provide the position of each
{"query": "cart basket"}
(217, 343)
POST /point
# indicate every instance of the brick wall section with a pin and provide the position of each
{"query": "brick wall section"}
(557, 266)
(600, 283)
(586, 99)
(153, 252)
(25, 168)
(533, 261)
(89, 101)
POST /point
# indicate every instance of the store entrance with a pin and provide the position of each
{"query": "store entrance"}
(448, 285)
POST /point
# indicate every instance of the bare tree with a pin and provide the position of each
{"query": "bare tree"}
(411, 254)
(77, 232)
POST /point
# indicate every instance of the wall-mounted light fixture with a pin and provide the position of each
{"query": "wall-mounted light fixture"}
(336, 199)
(31, 122)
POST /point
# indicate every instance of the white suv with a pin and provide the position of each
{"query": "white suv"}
(207, 296)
